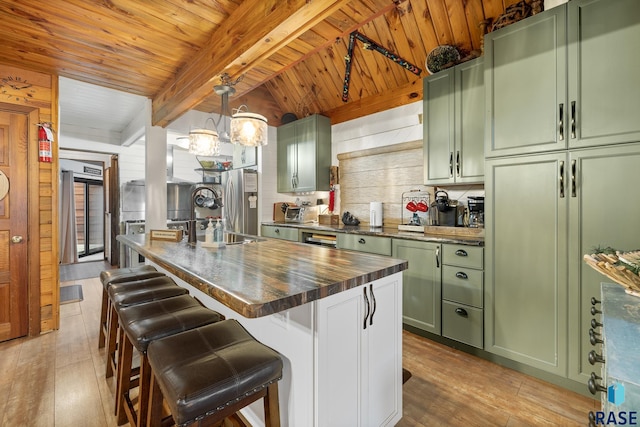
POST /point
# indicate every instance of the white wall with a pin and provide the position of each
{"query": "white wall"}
(401, 124)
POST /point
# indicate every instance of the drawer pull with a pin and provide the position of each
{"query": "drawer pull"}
(595, 357)
(461, 275)
(595, 311)
(461, 252)
(362, 241)
(277, 231)
(462, 312)
(595, 301)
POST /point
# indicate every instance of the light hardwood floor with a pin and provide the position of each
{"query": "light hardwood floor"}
(57, 379)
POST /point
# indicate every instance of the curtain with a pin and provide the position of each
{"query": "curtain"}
(68, 241)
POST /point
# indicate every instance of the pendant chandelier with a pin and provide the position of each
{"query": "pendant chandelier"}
(248, 129)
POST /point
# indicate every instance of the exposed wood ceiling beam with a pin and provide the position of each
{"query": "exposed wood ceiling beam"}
(249, 35)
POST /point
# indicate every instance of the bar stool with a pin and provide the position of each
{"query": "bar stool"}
(210, 373)
(119, 275)
(139, 325)
(131, 293)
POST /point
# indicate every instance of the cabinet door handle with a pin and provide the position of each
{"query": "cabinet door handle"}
(595, 357)
(373, 301)
(437, 257)
(462, 312)
(594, 387)
(573, 178)
(367, 308)
(461, 252)
(362, 241)
(573, 119)
(451, 164)
(562, 180)
(595, 340)
(561, 122)
(458, 163)
(461, 275)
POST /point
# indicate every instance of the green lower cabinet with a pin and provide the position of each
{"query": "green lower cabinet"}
(462, 323)
(277, 232)
(364, 243)
(421, 284)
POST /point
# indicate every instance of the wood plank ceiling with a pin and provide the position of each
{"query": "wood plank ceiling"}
(289, 55)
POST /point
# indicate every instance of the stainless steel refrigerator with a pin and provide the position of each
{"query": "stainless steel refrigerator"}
(240, 199)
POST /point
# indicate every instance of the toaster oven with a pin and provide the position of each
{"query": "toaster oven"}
(301, 214)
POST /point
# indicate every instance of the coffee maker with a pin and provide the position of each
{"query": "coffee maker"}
(476, 212)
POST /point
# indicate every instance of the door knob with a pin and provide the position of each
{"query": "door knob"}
(16, 239)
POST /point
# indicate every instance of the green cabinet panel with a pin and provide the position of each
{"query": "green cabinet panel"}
(421, 284)
(604, 94)
(462, 323)
(358, 242)
(463, 256)
(525, 78)
(601, 175)
(526, 260)
(463, 285)
(454, 102)
(564, 78)
(284, 233)
(304, 155)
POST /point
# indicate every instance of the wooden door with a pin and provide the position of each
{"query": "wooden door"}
(13, 227)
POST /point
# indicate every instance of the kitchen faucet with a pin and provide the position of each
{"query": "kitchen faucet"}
(217, 203)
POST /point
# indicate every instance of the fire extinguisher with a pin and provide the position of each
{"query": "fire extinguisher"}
(45, 137)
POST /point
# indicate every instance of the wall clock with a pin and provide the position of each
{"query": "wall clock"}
(14, 87)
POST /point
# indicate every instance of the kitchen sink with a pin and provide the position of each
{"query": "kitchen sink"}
(236, 238)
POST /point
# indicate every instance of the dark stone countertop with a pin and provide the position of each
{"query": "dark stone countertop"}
(265, 277)
(392, 232)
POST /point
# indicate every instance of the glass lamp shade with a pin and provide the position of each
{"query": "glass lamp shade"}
(204, 142)
(249, 129)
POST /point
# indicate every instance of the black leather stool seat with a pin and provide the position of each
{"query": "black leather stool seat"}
(146, 322)
(140, 324)
(205, 370)
(119, 275)
(141, 291)
(127, 274)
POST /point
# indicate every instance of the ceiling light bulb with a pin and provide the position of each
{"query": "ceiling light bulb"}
(249, 129)
(204, 142)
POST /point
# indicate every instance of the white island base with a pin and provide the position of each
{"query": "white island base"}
(342, 356)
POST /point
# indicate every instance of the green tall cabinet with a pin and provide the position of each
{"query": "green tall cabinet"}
(421, 284)
(562, 142)
(525, 302)
(454, 102)
(304, 155)
(565, 78)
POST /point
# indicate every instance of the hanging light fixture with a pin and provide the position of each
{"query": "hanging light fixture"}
(249, 129)
(246, 128)
(203, 141)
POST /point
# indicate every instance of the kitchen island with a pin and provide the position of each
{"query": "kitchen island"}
(335, 317)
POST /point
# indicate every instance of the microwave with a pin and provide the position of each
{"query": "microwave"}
(301, 214)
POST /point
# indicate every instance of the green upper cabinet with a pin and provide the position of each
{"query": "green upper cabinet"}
(525, 78)
(564, 78)
(454, 102)
(304, 155)
(604, 94)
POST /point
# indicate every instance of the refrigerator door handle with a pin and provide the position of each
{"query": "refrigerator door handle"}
(230, 203)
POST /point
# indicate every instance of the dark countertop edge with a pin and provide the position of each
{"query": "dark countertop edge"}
(384, 232)
(255, 310)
